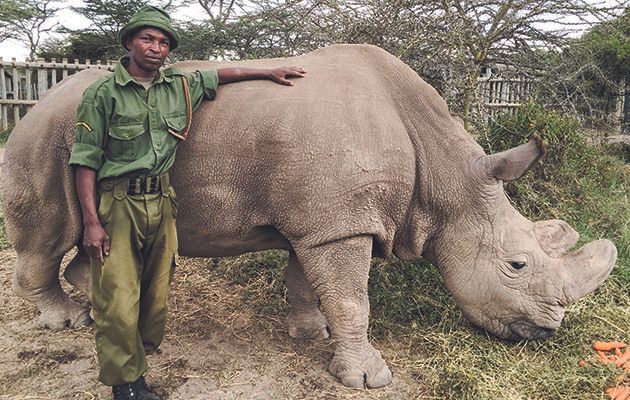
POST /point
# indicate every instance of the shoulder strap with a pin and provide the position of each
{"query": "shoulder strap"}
(182, 135)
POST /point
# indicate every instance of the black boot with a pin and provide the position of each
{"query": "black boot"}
(124, 392)
(137, 390)
(143, 391)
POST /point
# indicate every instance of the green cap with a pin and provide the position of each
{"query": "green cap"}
(149, 16)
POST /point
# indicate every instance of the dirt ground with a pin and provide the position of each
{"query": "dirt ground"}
(215, 348)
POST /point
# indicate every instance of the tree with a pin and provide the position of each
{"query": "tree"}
(470, 35)
(611, 44)
(447, 41)
(100, 40)
(251, 29)
(26, 21)
(586, 77)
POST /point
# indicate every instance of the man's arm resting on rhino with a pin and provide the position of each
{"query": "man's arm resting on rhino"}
(278, 75)
(95, 238)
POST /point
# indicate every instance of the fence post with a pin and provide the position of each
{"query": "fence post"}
(3, 95)
(42, 78)
(16, 92)
(64, 72)
(28, 71)
(53, 72)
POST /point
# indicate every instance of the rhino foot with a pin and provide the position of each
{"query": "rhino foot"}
(307, 325)
(361, 370)
(68, 314)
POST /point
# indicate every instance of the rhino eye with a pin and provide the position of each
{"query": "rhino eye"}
(518, 265)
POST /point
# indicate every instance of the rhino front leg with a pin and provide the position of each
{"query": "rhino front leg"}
(305, 321)
(36, 279)
(338, 272)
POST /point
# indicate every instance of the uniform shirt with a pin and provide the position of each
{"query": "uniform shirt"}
(122, 128)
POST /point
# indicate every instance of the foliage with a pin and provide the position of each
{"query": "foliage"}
(26, 21)
(4, 135)
(586, 78)
(611, 42)
(99, 41)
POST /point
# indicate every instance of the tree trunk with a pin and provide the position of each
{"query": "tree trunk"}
(469, 97)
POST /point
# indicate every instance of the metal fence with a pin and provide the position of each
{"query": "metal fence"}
(23, 83)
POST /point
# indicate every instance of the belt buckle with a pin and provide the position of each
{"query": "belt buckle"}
(154, 184)
(135, 186)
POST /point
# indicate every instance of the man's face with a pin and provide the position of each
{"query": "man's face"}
(148, 48)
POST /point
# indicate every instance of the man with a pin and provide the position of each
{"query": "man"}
(128, 127)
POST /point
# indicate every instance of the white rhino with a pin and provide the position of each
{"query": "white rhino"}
(361, 158)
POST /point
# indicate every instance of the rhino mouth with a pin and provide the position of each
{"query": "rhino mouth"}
(525, 330)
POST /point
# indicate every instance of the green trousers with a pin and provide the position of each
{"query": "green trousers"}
(130, 287)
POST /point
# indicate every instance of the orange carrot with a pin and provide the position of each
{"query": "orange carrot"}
(624, 394)
(616, 393)
(607, 346)
(603, 356)
(617, 352)
(581, 363)
(623, 359)
(613, 391)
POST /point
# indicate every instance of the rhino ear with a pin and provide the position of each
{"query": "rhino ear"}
(555, 236)
(514, 163)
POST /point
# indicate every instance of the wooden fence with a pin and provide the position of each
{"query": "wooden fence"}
(23, 83)
(498, 95)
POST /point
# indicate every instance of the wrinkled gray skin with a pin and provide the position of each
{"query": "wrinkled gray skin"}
(361, 158)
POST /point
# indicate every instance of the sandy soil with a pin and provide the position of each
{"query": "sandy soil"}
(216, 347)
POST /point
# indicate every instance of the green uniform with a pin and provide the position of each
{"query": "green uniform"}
(122, 129)
(122, 132)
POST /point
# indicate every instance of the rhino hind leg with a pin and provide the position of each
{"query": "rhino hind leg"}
(36, 279)
(305, 321)
(338, 272)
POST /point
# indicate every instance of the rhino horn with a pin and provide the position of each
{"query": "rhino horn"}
(555, 236)
(514, 163)
(588, 267)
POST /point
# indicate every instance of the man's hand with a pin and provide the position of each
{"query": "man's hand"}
(280, 75)
(96, 240)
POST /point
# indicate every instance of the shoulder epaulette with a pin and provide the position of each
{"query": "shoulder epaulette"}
(173, 70)
(90, 93)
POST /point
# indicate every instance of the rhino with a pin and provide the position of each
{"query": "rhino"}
(359, 159)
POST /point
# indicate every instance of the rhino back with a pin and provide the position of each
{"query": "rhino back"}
(330, 157)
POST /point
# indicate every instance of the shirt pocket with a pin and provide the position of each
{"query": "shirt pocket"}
(176, 122)
(126, 142)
